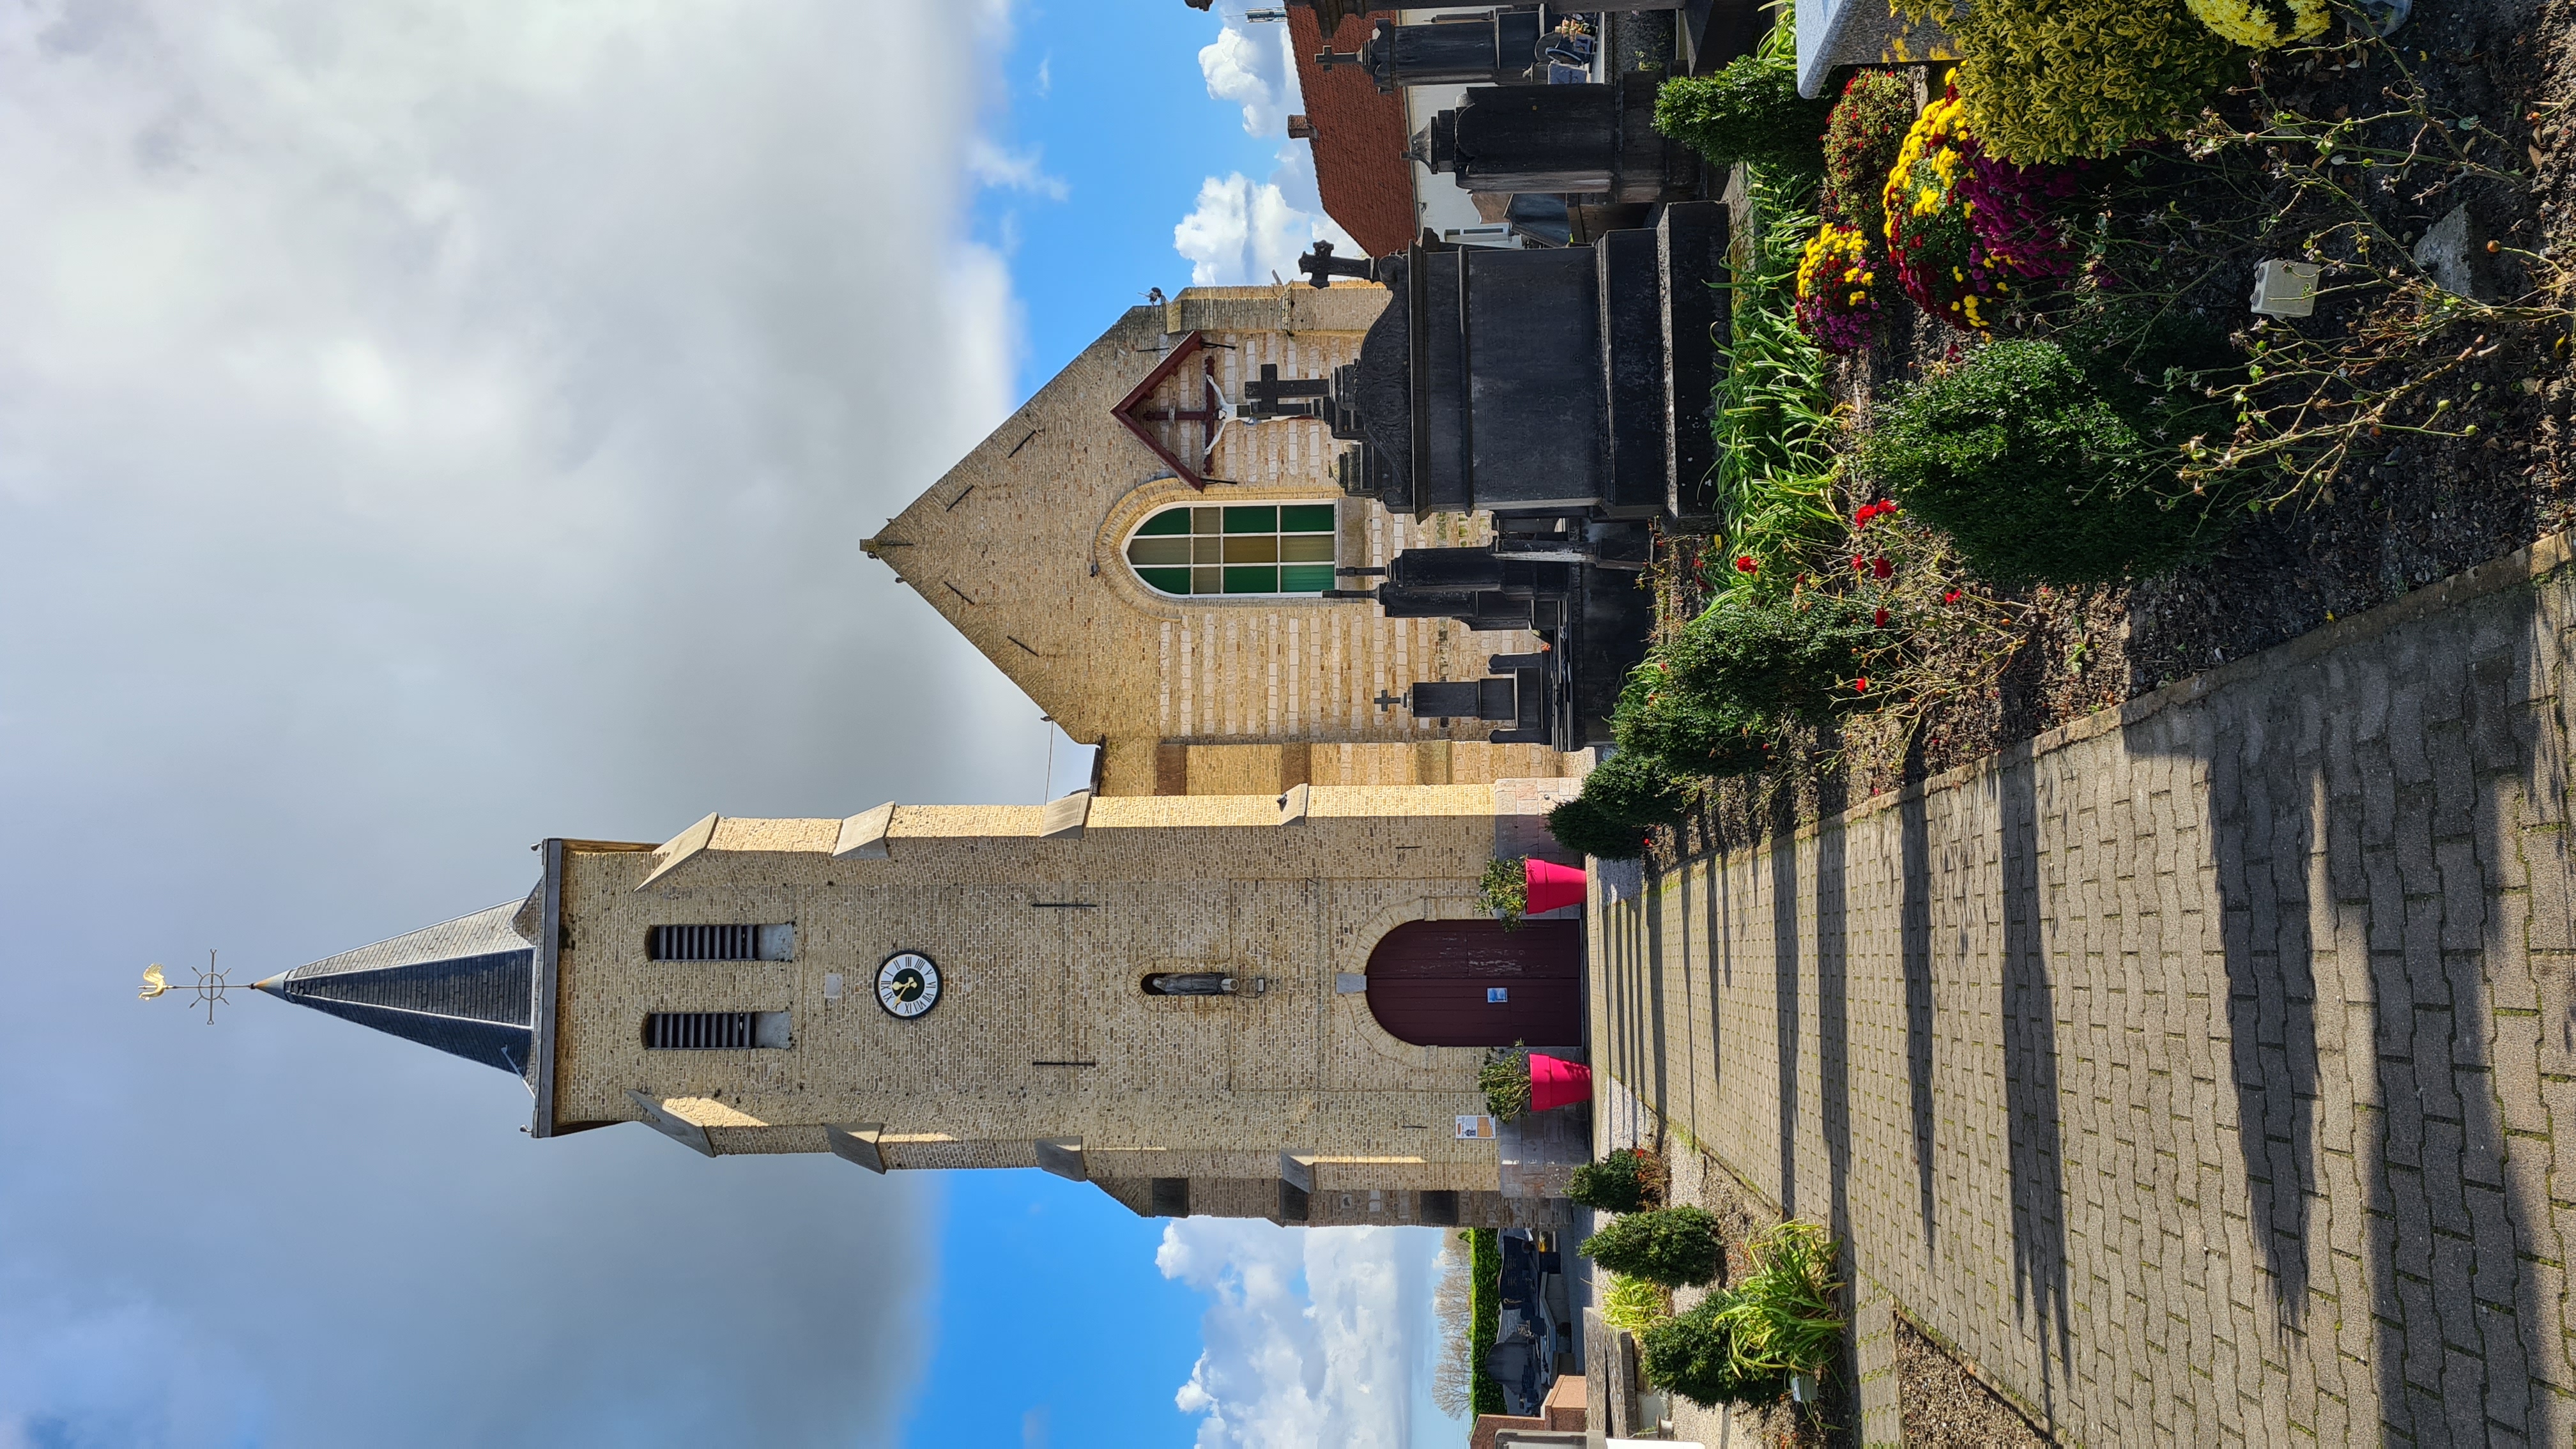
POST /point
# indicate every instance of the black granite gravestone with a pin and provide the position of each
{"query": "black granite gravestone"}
(1577, 140)
(1565, 393)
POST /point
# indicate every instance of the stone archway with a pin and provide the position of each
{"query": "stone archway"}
(1470, 983)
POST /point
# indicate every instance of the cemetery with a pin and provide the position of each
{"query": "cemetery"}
(2053, 365)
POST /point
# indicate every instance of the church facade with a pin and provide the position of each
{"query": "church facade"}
(1246, 975)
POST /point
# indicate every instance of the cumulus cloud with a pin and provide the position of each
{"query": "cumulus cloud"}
(426, 426)
(1243, 230)
(1249, 64)
(1315, 1335)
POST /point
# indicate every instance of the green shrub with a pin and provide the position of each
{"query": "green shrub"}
(1862, 133)
(1674, 1246)
(2024, 461)
(1504, 888)
(1777, 655)
(1505, 1080)
(1750, 112)
(2058, 80)
(1694, 1356)
(1612, 1185)
(1579, 825)
(2264, 24)
(1686, 731)
(1624, 796)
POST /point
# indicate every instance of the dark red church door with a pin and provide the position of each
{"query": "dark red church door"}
(1472, 983)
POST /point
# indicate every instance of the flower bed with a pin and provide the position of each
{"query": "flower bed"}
(1966, 230)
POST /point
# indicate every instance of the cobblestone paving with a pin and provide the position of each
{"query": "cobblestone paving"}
(2206, 1070)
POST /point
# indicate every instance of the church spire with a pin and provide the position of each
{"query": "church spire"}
(466, 987)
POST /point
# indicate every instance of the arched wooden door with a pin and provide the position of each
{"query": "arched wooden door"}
(1472, 983)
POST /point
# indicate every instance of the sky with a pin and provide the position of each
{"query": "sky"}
(432, 425)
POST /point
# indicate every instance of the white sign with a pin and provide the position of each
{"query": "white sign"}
(1478, 1127)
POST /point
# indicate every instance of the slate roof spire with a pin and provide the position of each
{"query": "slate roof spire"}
(466, 987)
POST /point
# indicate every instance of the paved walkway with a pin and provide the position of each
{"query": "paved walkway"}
(2206, 1070)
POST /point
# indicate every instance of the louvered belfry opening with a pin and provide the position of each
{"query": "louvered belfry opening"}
(698, 1030)
(704, 943)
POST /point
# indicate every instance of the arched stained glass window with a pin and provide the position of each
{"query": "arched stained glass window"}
(1260, 548)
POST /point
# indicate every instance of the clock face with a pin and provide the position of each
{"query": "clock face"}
(907, 984)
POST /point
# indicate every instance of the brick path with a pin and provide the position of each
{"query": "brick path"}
(2205, 1070)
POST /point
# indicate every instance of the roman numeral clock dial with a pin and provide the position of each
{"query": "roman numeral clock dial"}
(907, 985)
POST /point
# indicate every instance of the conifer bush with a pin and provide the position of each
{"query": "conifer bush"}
(1625, 796)
(1776, 655)
(1675, 1246)
(1621, 1182)
(1750, 112)
(2025, 462)
(1687, 731)
(1694, 1356)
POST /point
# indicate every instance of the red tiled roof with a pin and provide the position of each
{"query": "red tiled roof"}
(1359, 138)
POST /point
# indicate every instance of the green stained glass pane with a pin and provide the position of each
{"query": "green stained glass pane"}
(1306, 548)
(1251, 520)
(1305, 578)
(1240, 580)
(1306, 518)
(1158, 551)
(1207, 581)
(1170, 581)
(1254, 548)
(1170, 520)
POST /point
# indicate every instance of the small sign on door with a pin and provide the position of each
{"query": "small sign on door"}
(1495, 995)
(1475, 1128)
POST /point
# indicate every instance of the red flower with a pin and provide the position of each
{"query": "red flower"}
(1861, 685)
(1867, 512)
(1881, 620)
(1949, 596)
(1859, 564)
(1744, 564)
(1880, 567)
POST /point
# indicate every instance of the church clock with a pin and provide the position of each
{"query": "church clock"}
(907, 984)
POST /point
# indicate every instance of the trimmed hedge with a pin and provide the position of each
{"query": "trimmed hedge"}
(1675, 1246)
(2024, 460)
(1750, 112)
(1694, 1356)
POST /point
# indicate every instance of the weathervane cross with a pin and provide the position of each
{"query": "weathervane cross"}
(209, 987)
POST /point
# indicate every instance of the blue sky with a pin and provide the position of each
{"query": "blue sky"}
(417, 422)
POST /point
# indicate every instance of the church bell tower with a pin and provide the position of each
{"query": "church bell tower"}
(1237, 1005)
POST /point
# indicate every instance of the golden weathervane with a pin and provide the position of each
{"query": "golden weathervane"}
(209, 987)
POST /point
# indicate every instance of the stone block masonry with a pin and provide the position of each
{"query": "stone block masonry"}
(2199, 1069)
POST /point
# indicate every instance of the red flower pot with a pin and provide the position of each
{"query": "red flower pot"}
(1555, 1083)
(1551, 885)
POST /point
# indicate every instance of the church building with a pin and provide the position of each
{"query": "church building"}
(1246, 974)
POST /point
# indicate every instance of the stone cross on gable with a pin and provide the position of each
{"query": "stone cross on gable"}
(1270, 397)
(1321, 266)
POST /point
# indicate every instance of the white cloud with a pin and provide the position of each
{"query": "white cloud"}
(1249, 64)
(1245, 231)
(1315, 1335)
(425, 426)
(994, 165)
